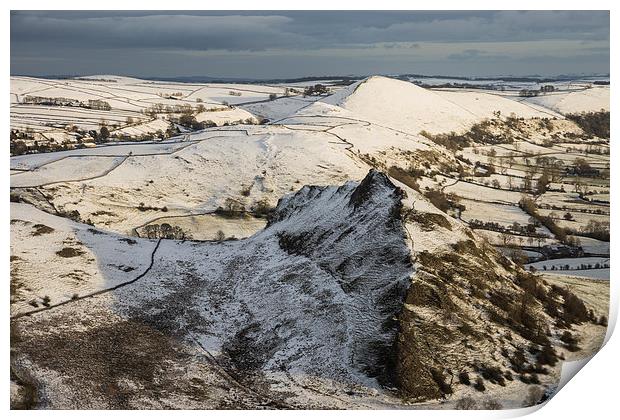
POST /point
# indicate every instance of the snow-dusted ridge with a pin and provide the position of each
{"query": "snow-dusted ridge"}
(315, 294)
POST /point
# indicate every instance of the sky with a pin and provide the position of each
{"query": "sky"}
(288, 44)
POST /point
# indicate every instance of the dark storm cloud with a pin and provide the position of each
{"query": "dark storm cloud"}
(156, 31)
(48, 42)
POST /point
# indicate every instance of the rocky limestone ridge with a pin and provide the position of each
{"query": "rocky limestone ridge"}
(330, 290)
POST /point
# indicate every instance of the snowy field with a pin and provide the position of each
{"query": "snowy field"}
(575, 267)
(130, 101)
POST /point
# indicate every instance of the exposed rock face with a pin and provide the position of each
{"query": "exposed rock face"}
(354, 233)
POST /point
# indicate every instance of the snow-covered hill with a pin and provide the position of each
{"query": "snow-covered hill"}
(408, 107)
(588, 100)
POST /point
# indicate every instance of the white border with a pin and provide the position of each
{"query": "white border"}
(592, 395)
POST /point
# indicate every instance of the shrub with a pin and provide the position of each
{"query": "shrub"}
(518, 361)
(492, 374)
(479, 384)
(534, 396)
(570, 342)
(575, 310)
(464, 378)
(245, 190)
(547, 356)
(262, 208)
(440, 380)
(466, 403)
(104, 133)
(407, 178)
(442, 200)
(492, 404)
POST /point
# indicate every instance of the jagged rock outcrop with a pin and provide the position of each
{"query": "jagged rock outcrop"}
(314, 295)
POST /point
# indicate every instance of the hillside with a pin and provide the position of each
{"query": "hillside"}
(411, 108)
(331, 258)
(594, 99)
(314, 302)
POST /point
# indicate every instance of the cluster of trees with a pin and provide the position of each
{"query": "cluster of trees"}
(527, 205)
(583, 210)
(231, 208)
(22, 135)
(19, 147)
(317, 89)
(581, 167)
(409, 178)
(545, 124)
(59, 101)
(165, 231)
(99, 105)
(189, 121)
(262, 208)
(234, 208)
(581, 267)
(173, 95)
(595, 229)
(158, 108)
(593, 124)
(529, 93)
(516, 228)
(443, 201)
(468, 403)
(528, 184)
(591, 149)
(480, 133)
(451, 141)
(565, 305)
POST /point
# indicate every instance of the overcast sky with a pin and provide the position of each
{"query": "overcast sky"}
(292, 44)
